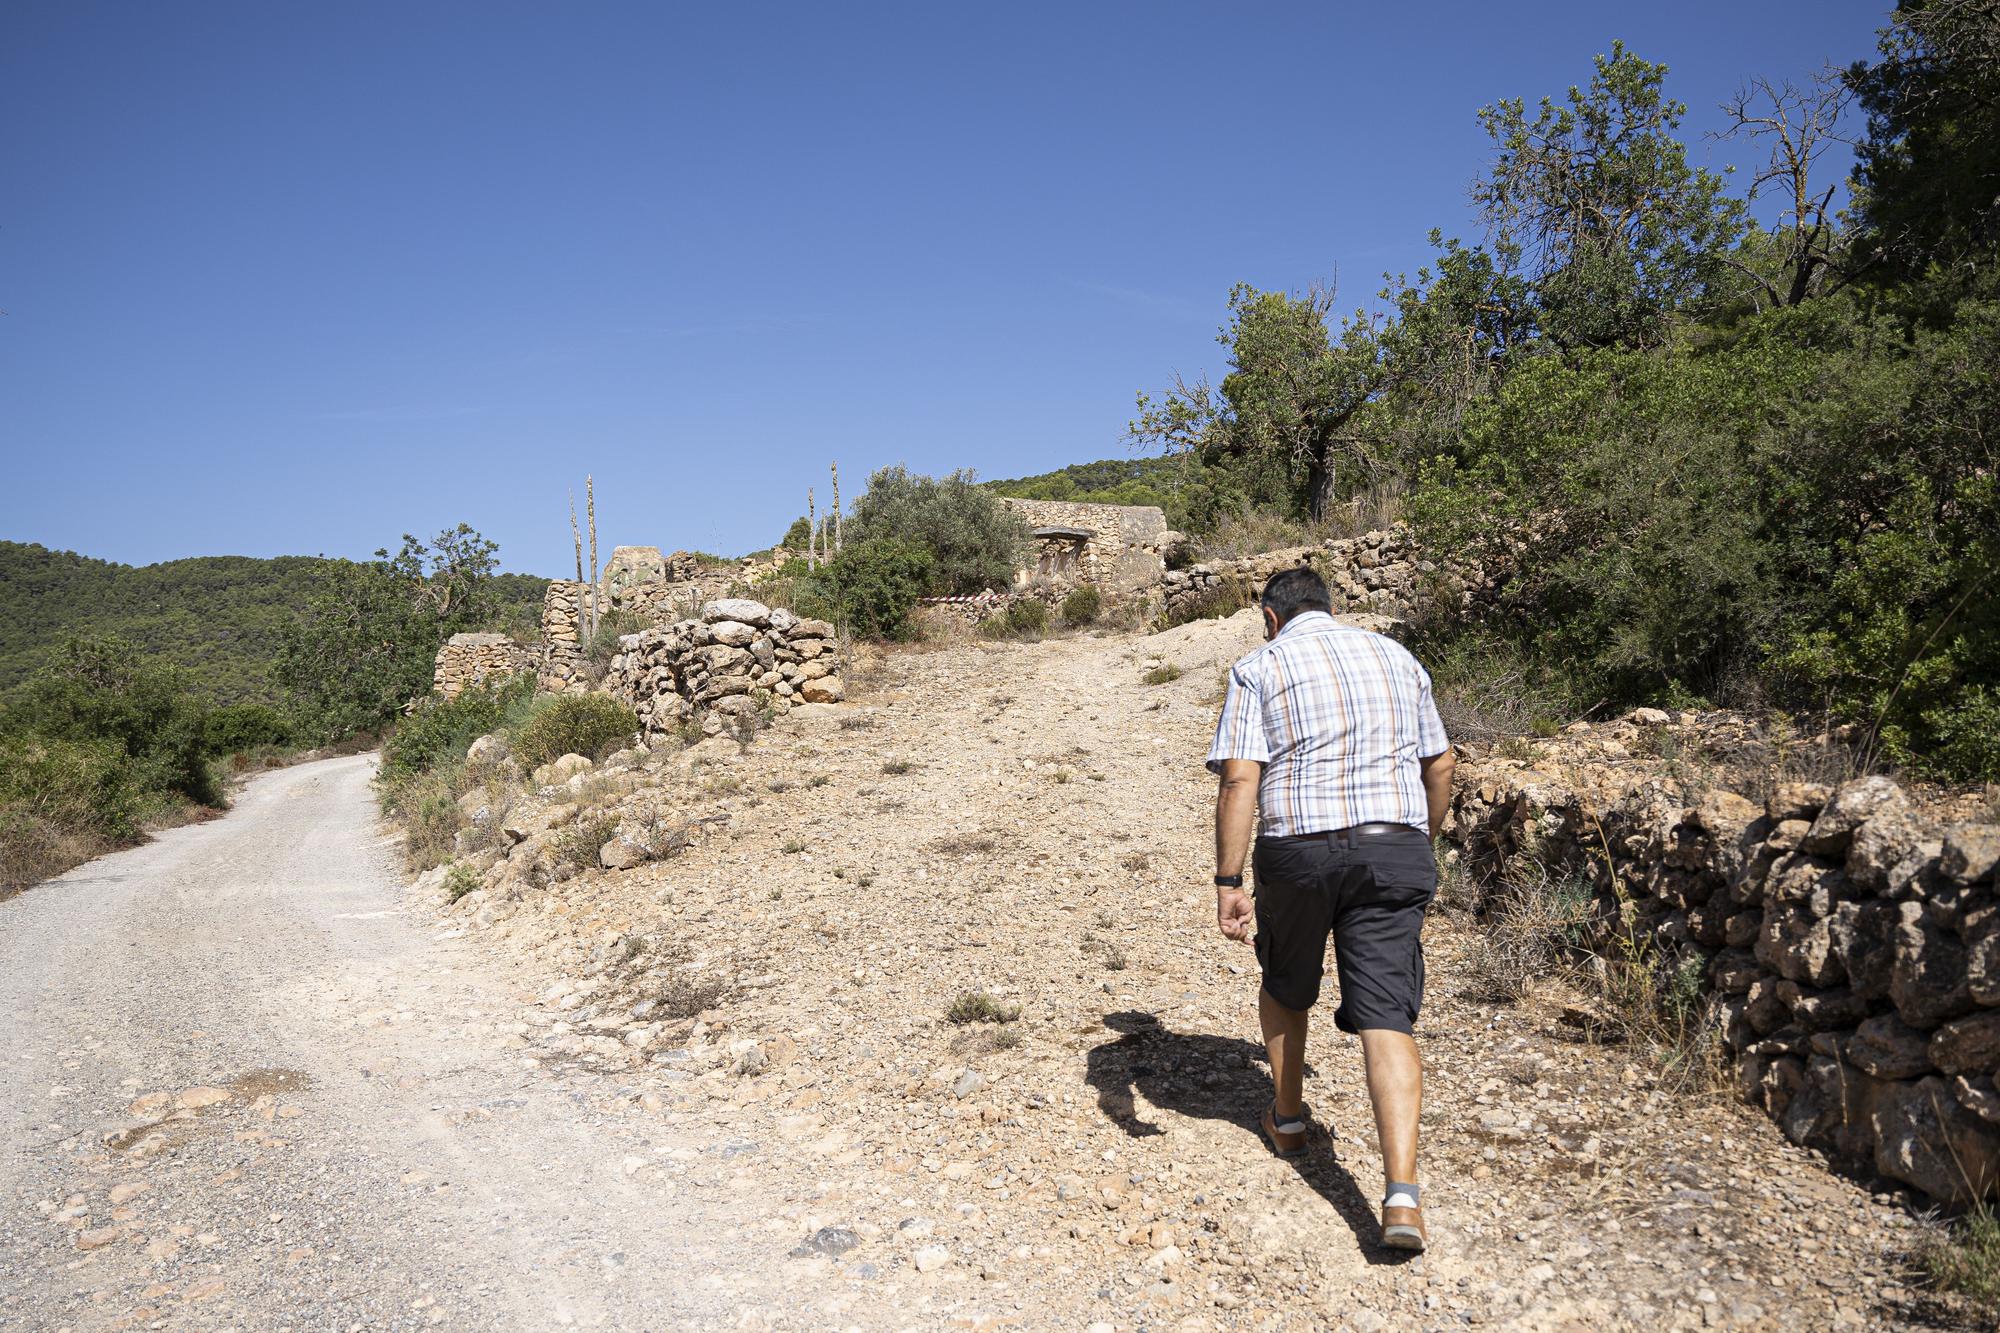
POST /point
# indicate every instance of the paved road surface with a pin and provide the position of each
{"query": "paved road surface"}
(383, 1160)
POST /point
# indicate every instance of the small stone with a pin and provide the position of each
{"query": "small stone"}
(98, 1239)
(969, 1082)
(930, 1258)
(830, 1241)
(619, 854)
(195, 1099)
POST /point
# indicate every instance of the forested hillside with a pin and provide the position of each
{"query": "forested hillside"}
(221, 617)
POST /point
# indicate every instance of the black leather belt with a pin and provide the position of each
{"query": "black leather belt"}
(1347, 837)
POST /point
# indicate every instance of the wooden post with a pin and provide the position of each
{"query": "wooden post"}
(836, 509)
(590, 505)
(575, 534)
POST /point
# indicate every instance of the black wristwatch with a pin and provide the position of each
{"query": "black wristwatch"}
(1229, 881)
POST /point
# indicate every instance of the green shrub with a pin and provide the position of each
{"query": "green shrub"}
(240, 728)
(105, 690)
(427, 804)
(1162, 674)
(976, 1006)
(460, 880)
(585, 724)
(869, 587)
(84, 787)
(578, 845)
(1082, 606)
(1024, 618)
(603, 645)
(440, 730)
(1964, 1256)
(974, 541)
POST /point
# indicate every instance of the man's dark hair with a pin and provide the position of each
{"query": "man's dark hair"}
(1293, 591)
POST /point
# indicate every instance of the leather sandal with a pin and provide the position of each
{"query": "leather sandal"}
(1403, 1228)
(1287, 1137)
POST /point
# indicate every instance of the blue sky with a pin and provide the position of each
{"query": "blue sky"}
(300, 278)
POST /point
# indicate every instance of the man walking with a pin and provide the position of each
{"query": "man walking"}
(1331, 732)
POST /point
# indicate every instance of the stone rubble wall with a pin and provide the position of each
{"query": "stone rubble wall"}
(1850, 949)
(638, 581)
(736, 657)
(1381, 573)
(564, 607)
(468, 659)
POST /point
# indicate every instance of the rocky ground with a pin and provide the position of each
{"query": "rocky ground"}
(1029, 822)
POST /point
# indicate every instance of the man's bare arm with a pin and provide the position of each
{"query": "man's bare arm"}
(1235, 816)
(1437, 787)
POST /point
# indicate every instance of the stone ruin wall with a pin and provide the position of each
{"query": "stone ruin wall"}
(1378, 573)
(468, 659)
(1125, 554)
(735, 657)
(1850, 950)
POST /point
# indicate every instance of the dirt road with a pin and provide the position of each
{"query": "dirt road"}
(250, 1079)
(382, 1158)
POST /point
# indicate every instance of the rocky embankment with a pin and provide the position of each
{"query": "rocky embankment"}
(1849, 938)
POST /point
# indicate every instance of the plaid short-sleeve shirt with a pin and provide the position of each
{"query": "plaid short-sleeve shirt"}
(1339, 717)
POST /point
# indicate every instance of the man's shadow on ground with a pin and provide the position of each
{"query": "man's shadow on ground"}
(1216, 1078)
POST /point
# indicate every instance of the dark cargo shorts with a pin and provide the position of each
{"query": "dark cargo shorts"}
(1369, 889)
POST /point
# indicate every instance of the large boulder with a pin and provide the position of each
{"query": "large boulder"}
(735, 633)
(1833, 1109)
(736, 608)
(1925, 1137)
(1981, 929)
(1799, 946)
(1887, 1047)
(823, 690)
(1880, 845)
(1928, 979)
(1969, 1045)
(1971, 852)
(1851, 806)
(1864, 935)
(560, 770)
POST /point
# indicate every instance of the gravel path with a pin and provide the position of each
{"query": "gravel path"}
(240, 1087)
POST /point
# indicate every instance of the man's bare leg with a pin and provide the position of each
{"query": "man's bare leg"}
(1396, 1087)
(1285, 1039)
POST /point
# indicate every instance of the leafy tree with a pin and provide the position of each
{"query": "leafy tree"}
(1294, 397)
(1929, 169)
(974, 542)
(1594, 202)
(369, 634)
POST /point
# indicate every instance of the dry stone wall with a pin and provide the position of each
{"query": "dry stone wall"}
(736, 657)
(1381, 573)
(1849, 948)
(468, 659)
